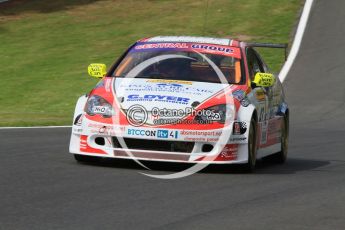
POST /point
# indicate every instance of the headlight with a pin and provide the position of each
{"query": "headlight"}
(217, 113)
(98, 105)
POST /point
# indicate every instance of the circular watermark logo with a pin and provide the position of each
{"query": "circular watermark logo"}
(136, 115)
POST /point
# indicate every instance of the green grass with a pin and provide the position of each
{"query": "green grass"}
(46, 47)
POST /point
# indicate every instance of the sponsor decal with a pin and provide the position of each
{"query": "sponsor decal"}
(196, 139)
(97, 70)
(264, 79)
(98, 109)
(239, 128)
(170, 87)
(162, 133)
(158, 98)
(201, 139)
(264, 127)
(77, 130)
(239, 132)
(159, 133)
(167, 134)
(170, 81)
(162, 45)
(245, 102)
(212, 139)
(241, 96)
(214, 48)
(219, 41)
(238, 139)
(200, 133)
(196, 47)
(274, 125)
(140, 132)
(213, 116)
(262, 114)
(229, 151)
(107, 130)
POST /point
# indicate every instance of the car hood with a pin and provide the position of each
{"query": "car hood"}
(157, 94)
(172, 94)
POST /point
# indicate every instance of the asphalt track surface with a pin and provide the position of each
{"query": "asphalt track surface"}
(42, 187)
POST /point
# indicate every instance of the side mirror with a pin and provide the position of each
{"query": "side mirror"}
(97, 70)
(264, 80)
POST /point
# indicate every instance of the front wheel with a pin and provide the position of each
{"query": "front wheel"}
(252, 148)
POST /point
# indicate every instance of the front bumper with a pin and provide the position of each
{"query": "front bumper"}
(187, 148)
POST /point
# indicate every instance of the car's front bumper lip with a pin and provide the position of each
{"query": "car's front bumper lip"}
(149, 155)
(125, 156)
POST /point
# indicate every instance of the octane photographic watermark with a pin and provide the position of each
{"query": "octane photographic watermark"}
(151, 116)
(137, 115)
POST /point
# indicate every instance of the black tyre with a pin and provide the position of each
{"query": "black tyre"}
(86, 159)
(281, 156)
(252, 148)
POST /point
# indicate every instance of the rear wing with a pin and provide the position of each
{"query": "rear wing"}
(269, 45)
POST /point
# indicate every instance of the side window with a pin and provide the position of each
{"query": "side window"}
(254, 63)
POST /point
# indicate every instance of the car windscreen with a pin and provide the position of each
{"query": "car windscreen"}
(182, 61)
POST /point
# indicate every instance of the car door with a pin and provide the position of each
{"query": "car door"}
(261, 97)
(274, 119)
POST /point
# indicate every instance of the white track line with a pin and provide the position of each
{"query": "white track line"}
(282, 75)
(297, 41)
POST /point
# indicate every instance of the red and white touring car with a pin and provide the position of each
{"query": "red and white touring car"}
(183, 99)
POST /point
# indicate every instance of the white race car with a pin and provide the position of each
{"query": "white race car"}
(183, 99)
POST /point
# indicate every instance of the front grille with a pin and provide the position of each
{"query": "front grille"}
(156, 145)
